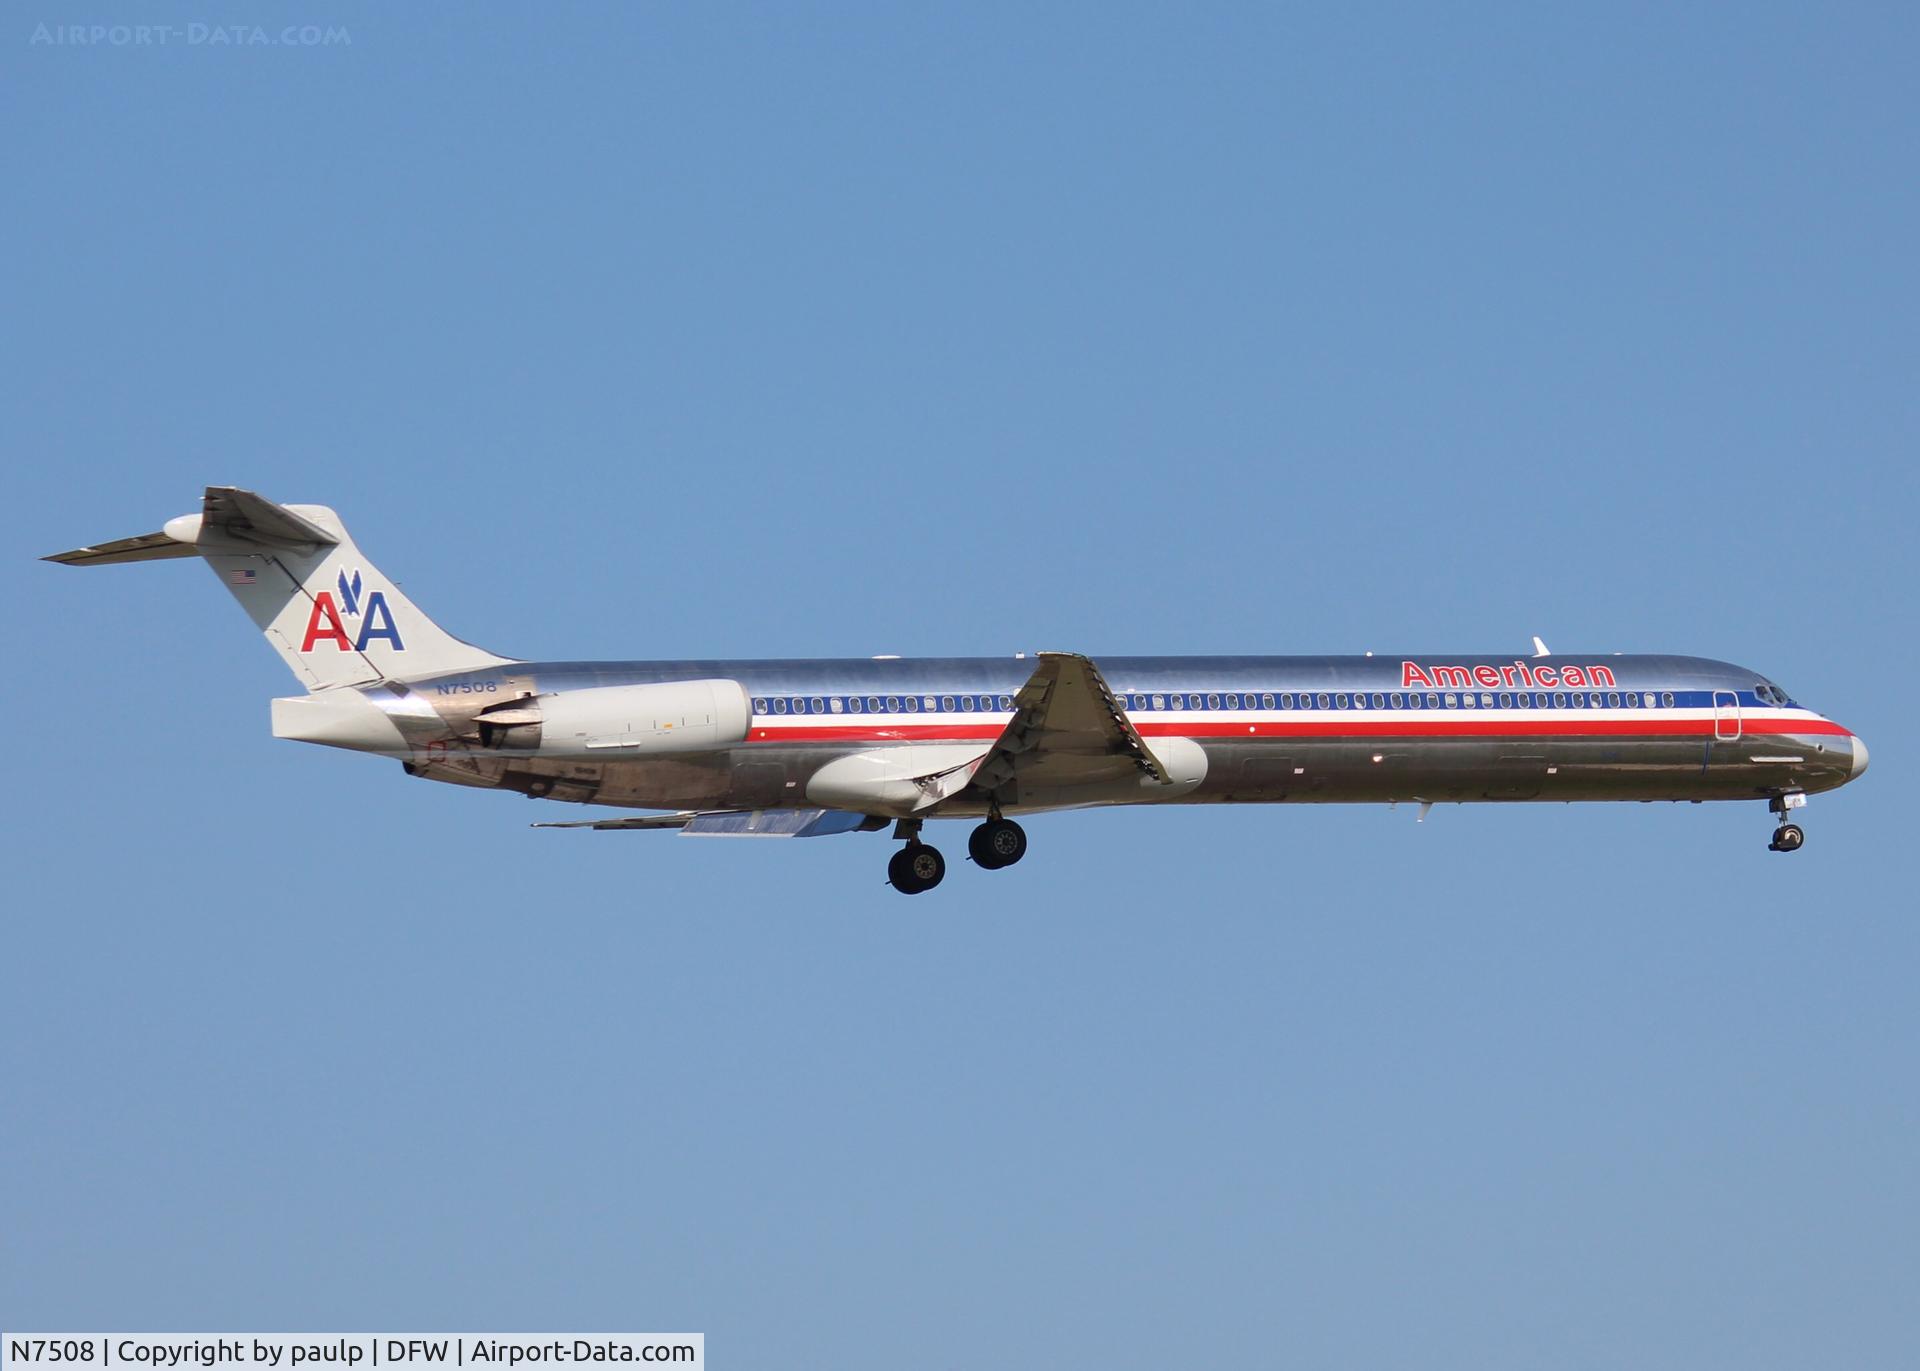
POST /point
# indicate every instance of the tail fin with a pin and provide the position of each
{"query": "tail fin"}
(329, 613)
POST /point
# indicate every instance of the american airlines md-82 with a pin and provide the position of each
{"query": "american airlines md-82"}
(807, 748)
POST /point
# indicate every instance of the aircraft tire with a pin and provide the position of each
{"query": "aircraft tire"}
(1788, 838)
(997, 843)
(916, 868)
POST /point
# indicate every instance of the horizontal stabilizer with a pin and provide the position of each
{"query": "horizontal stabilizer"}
(148, 547)
(254, 519)
(740, 823)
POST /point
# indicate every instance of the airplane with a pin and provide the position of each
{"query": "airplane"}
(807, 748)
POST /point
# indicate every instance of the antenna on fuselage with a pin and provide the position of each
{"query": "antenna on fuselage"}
(1540, 648)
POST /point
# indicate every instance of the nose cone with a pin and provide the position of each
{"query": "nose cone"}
(1859, 756)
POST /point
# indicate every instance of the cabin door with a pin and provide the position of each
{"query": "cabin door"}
(1726, 716)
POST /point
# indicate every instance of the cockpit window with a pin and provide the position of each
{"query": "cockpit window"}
(1771, 693)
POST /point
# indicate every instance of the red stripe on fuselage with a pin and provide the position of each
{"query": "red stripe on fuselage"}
(1355, 730)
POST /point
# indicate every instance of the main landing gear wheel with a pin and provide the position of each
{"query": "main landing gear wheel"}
(916, 868)
(997, 843)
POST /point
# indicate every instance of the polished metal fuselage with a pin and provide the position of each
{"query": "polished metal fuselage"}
(1274, 729)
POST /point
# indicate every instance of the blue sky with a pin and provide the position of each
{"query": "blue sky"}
(734, 330)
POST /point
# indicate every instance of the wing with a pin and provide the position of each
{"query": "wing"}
(1067, 730)
(738, 823)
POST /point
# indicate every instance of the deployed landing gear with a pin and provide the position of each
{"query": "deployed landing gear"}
(997, 843)
(916, 868)
(1789, 836)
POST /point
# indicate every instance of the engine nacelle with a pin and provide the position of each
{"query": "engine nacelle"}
(608, 722)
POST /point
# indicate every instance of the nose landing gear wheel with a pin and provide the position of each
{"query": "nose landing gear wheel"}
(916, 868)
(997, 843)
(1787, 838)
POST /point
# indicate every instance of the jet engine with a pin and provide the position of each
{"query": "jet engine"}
(604, 722)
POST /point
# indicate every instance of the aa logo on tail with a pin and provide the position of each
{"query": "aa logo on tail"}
(325, 625)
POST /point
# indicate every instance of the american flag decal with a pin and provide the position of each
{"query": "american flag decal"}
(243, 576)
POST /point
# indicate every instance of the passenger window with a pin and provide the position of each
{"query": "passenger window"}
(1266, 700)
(966, 704)
(819, 705)
(1379, 701)
(946, 703)
(836, 704)
(1359, 702)
(1433, 701)
(873, 704)
(1468, 701)
(1666, 698)
(1324, 700)
(1213, 702)
(1413, 702)
(893, 704)
(1559, 700)
(1506, 701)
(1286, 699)
(1452, 701)
(913, 704)
(1340, 701)
(1399, 700)
(1233, 702)
(1613, 699)
(759, 706)
(1006, 702)
(853, 704)
(780, 706)
(1159, 702)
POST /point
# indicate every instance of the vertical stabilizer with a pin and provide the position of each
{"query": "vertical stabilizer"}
(333, 617)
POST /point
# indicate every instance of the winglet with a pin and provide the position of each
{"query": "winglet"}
(1540, 648)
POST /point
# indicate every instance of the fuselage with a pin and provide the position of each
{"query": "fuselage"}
(1419, 728)
(809, 748)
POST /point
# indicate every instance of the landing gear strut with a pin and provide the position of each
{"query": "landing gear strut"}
(1788, 836)
(915, 868)
(997, 843)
